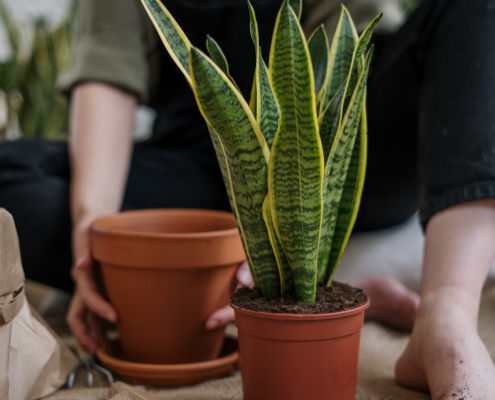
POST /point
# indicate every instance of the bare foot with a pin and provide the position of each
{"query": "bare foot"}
(391, 303)
(446, 357)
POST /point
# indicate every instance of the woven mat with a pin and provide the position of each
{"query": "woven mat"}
(380, 347)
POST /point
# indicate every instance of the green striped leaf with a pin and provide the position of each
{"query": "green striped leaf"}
(267, 111)
(351, 199)
(227, 179)
(340, 217)
(255, 91)
(365, 38)
(297, 7)
(174, 39)
(253, 27)
(329, 121)
(340, 58)
(337, 167)
(295, 170)
(245, 155)
(286, 280)
(357, 58)
(218, 57)
(253, 101)
(253, 30)
(318, 48)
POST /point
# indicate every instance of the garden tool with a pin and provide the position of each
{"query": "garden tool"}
(89, 364)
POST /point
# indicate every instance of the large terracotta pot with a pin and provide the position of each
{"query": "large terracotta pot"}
(294, 356)
(165, 272)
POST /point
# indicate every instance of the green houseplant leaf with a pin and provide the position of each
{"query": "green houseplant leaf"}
(350, 200)
(227, 178)
(329, 121)
(336, 173)
(285, 274)
(297, 7)
(336, 186)
(217, 55)
(295, 171)
(173, 38)
(340, 57)
(318, 48)
(263, 100)
(357, 57)
(230, 117)
(219, 58)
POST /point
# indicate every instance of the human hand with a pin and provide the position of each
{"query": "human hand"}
(226, 314)
(87, 307)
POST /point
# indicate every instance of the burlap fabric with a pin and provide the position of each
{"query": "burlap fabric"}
(380, 347)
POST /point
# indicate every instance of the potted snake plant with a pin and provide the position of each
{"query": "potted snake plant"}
(293, 161)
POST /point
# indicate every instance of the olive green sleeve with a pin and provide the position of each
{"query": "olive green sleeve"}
(111, 46)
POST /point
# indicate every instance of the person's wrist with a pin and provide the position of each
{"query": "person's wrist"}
(81, 266)
(81, 223)
(83, 216)
(82, 261)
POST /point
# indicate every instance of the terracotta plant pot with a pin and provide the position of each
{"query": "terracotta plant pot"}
(299, 356)
(165, 272)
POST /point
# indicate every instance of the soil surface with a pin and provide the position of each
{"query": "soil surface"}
(337, 297)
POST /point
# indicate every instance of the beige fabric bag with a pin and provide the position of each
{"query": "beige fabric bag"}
(33, 360)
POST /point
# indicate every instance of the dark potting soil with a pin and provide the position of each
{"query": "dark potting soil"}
(337, 297)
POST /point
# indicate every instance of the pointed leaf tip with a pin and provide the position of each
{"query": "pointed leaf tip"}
(171, 34)
(297, 7)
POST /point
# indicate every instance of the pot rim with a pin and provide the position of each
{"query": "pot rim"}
(98, 225)
(304, 317)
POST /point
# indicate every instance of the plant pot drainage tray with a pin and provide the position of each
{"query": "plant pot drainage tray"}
(168, 374)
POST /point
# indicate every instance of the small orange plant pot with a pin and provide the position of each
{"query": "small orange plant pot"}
(299, 356)
(165, 272)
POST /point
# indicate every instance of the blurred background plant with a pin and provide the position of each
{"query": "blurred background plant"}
(410, 5)
(30, 103)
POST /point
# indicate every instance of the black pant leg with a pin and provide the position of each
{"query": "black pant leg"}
(390, 194)
(430, 113)
(457, 107)
(34, 188)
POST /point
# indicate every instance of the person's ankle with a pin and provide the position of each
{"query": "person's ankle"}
(450, 308)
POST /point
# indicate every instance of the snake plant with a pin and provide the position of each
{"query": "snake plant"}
(293, 156)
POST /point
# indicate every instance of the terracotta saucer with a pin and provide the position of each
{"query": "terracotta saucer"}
(171, 374)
